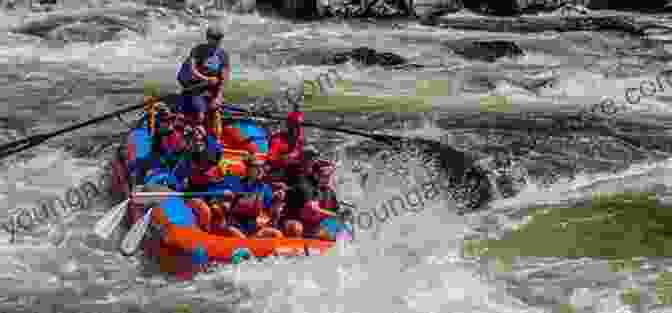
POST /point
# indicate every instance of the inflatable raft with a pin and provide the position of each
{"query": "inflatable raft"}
(188, 248)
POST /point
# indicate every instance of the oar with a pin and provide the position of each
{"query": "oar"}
(378, 137)
(109, 222)
(134, 236)
(182, 194)
(27, 143)
(460, 166)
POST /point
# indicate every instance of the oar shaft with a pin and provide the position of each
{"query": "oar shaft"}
(377, 137)
(181, 194)
(38, 139)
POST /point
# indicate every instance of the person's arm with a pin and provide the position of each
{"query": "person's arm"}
(295, 153)
(224, 75)
(195, 72)
(195, 59)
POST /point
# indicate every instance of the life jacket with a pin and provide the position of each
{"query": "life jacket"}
(243, 134)
(215, 63)
(139, 146)
(252, 197)
(173, 142)
(199, 174)
(280, 149)
(173, 211)
(164, 177)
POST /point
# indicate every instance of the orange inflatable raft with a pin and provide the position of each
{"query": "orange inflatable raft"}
(178, 249)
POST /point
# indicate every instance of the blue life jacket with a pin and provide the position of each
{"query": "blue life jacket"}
(178, 212)
(141, 140)
(235, 184)
(216, 61)
(166, 178)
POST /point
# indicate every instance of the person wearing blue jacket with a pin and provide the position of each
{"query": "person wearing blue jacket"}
(206, 62)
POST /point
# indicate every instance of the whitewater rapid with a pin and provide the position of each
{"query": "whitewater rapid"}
(410, 263)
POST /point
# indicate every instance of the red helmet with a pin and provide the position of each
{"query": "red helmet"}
(295, 117)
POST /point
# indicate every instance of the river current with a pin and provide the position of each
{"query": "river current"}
(410, 263)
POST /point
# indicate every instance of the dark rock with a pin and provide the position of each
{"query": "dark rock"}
(426, 9)
(299, 9)
(85, 25)
(642, 6)
(537, 24)
(172, 4)
(489, 51)
(366, 8)
(366, 56)
(494, 7)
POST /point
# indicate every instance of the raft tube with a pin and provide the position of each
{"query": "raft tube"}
(187, 248)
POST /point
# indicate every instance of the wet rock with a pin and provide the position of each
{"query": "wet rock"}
(365, 8)
(300, 9)
(363, 55)
(79, 32)
(494, 7)
(489, 51)
(647, 5)
(537, 24)
(430, 8)
(427, 8)
(84, 25)
(244, 6)
(366, 56)
(171, 4)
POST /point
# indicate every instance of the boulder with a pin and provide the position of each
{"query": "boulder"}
(84, 25)
(244, 6)
(364, 8)
(494, 7)
(646, 5)
(365, 56)
(488, 51)
(425, 8)
(171, 4)
(299, 9)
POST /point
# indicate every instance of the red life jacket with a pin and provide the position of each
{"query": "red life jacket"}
(280, 151)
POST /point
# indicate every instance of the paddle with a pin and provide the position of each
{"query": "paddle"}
(109, 222)
(134, 236)
(27, 143)
(476, 188)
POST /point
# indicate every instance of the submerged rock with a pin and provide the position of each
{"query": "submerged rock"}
(80, 32)
(366, 56)
(427, 8)
(489, 51)
(364, 8)
(363, 55)
(299, 8)
(494, 7)
(88, 25)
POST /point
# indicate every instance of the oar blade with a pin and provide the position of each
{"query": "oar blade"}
(108, 223)
(134, 236)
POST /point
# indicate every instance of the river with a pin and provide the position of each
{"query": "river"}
(410, 264)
